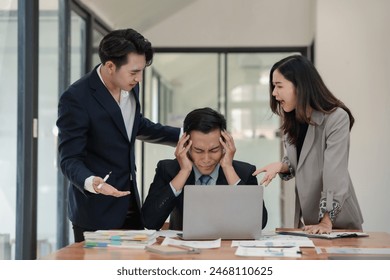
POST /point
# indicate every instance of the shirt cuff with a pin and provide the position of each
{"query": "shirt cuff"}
(333, 209)
(88, 184)
(175, 192)
(290, 174)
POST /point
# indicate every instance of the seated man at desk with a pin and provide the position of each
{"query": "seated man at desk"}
(204, 156)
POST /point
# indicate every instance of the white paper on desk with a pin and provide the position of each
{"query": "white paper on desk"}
(207, 244)
(268, 252)
(275, 241)
(283, 237)
(360, 251)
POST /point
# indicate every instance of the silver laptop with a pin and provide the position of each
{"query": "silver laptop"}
(220, 211)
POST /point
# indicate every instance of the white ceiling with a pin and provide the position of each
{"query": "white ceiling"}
(137, 14)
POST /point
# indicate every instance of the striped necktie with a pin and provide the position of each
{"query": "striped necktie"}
(204, 179)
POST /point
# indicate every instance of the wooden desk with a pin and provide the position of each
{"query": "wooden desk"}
(76, 251)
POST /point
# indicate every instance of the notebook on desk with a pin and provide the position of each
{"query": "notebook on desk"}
(222, 211)
(332, 235)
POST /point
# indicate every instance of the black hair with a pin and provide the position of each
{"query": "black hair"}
(116, 45)
(311, 92)
(204, 120)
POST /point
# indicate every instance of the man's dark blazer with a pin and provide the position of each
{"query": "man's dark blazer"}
(161, 200)
(93, 141)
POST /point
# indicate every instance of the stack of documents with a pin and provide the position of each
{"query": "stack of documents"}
(120, 238)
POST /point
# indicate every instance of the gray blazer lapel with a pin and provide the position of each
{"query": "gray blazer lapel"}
(317, 118)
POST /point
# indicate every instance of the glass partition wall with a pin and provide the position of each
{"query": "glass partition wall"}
(83, 55)
(48, 99)
(8, 127)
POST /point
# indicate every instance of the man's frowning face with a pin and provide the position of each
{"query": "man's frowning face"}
(206, 151)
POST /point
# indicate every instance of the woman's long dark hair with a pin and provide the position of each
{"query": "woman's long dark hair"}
(311, 93)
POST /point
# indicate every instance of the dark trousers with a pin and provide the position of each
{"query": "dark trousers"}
(132, 221)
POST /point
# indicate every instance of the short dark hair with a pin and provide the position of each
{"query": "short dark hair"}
(204, 120)
(117, 44)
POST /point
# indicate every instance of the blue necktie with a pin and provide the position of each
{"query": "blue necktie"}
(204, 179)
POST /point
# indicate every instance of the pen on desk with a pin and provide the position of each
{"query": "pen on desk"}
(280, 250)
(104, 179)
(183, 247)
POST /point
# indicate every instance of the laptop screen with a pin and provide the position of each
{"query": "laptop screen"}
(222, 211)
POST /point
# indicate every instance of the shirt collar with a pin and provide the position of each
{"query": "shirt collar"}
(214, 174)
(123, 92)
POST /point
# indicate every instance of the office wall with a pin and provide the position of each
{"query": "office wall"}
(352, 54)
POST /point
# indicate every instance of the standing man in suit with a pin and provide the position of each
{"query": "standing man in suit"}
(204, 156)
(99, 119)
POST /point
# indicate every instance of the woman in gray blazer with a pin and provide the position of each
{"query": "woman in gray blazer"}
(316, 130)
